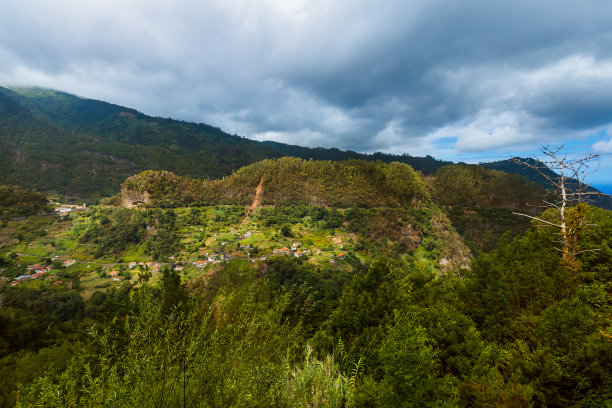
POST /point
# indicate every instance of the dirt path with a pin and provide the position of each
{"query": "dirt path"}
(256, 203)
(257, 199)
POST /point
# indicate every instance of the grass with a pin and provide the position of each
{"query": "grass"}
(29, 259)
(134, 252)
(39, 249)
(82, 267)
(90, 282)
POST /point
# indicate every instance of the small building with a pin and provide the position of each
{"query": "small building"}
(69, 262)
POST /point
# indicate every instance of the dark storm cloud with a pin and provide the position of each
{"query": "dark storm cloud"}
(394, 76)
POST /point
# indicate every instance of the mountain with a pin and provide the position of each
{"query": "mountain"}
(60, 143)
(55, 141)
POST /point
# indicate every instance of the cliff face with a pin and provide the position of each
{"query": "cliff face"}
(132, 198)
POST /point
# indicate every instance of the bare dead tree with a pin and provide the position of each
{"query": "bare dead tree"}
(568, 180)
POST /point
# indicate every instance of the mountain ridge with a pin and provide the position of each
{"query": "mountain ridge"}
(54, 141)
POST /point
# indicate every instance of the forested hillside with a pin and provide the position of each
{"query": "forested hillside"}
(15, 202)
(295, 304)
(287, 180)
(83, 148)
(479, 201)
(57, 142)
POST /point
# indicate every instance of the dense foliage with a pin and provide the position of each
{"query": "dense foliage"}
(112, 231)
(15, 202)
(286, 180)
(54, 141)
(481, 202)
(296, 283)
(519, 328)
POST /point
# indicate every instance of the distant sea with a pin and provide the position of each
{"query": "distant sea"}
(604, 188)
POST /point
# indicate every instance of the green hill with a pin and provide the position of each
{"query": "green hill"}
(352, 183)
(479, 202)
(54, 141)
(15, 202)
(78, 147)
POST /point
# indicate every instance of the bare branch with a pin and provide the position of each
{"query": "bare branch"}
(537, 219)
(588, 250)
(569, 187)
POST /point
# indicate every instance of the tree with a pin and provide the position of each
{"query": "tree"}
(286, 231)
(568, 181)
(174, 293)
(144, 274)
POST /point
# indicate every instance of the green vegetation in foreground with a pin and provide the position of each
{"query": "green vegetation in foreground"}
(376, 310)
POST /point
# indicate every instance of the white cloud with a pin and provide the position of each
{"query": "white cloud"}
(602, 147)
(421, 77)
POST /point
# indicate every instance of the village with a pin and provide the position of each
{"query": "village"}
(55, 259)
(37, 271)
(64, 209)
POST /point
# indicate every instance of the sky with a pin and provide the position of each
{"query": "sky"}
(470, 80)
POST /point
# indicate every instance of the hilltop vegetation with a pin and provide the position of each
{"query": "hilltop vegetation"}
(346, 184)
(287, 180)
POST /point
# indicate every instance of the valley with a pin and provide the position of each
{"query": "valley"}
(152, 262)
(319, 274)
